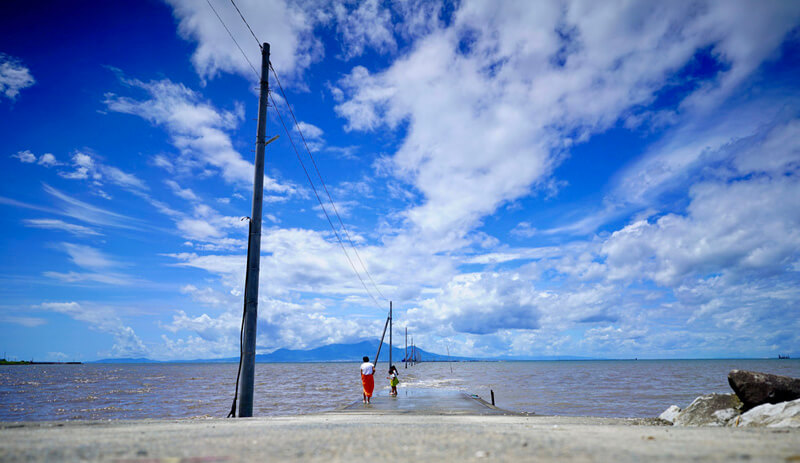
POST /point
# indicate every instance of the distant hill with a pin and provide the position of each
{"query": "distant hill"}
(126, 360)
(345, 353)
(341, 353)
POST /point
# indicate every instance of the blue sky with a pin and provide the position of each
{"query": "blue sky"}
(603, 179)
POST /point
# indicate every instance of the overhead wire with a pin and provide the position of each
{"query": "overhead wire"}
(319, 200)
(232, 412)
(324, 186)
(305, 144)
(310, 155)
(233, 38)
(297, 153)
(246, 23)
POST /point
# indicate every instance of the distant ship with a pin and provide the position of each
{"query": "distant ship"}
(782, 357)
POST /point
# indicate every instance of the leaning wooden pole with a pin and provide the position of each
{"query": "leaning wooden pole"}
(390, 334)
(378, 354)
(248, 360)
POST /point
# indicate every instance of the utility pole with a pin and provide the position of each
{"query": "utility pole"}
(250, 317)
(390, 334)
(405, 357)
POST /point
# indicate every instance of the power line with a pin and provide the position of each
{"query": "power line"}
(319, 200)
(233, 38)
(246, 24)
(297, 125)
(341, 222)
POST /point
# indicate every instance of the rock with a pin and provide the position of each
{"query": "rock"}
(725, 415)
(709, 410)
(755, 389)
(670, 413)
(784, 414)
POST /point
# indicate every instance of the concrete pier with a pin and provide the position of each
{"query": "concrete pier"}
(422, 430)
(427, 402)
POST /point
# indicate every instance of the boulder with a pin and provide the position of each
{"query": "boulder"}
(755, 389)
(784, 414)
(709, 410)
(670, 414)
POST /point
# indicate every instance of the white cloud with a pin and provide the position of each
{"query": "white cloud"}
(48, 160)
(481, 303)
(87, 167)
(286, 26)
(185, 193)
(55, 224)
(103, 319)
(14, 76)
(729, 228)
(196, 128)
(79, 210)
(25, 156)
(280, 324)
(369, 23)
(105, 278)
(499, 95)
(28, 322)
(88, 257)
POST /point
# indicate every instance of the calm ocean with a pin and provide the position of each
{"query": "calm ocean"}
(642, 388)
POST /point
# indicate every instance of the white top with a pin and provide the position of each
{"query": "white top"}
(367, 368)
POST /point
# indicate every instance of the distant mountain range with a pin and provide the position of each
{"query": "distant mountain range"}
(342, 353)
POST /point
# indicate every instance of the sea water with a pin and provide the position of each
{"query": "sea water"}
(611, 388)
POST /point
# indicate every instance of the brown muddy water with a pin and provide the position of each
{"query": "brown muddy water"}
(610, 388)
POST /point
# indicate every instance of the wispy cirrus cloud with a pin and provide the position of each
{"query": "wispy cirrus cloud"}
(56, 224)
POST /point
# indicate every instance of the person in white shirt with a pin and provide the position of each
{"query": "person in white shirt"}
(367, 379)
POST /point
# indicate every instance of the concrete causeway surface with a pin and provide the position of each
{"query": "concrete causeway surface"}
(385, 432)
(427, 402)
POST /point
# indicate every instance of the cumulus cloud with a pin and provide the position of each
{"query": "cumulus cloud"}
(48, 160)
(286, 25)
(25, 156)
(482, 303)
(502, 93)
(102, 319)
(14, 76)
(368, 24)
(280, 324)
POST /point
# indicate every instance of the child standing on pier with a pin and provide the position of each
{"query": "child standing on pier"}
(393, 380)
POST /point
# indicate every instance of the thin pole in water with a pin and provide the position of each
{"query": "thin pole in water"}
(248, 360)
(390, 334)
(447, 344)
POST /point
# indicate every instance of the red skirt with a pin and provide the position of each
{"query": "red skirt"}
(368, 381)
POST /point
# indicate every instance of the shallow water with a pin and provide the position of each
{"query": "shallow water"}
(642, 388)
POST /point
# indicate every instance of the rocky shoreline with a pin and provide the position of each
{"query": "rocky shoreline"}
(758, 400)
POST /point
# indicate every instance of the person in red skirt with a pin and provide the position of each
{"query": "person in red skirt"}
(367, 379)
